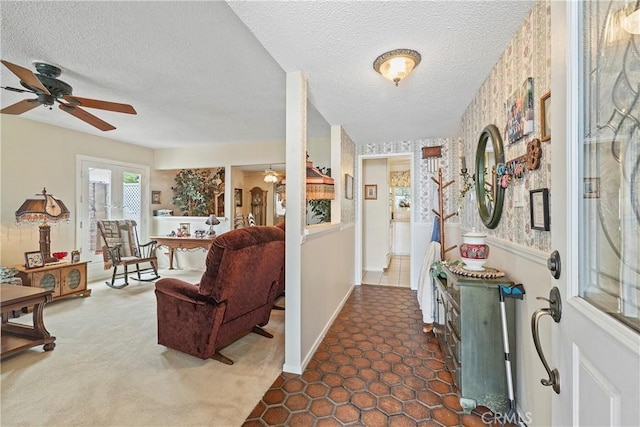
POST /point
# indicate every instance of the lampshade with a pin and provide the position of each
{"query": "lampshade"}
(319, 186)
(396, 64)
(42, 210)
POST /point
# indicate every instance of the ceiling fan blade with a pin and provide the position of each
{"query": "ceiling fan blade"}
(87, 117)
(102, 105)
(26, 76)
(20, 107)
(15, 89)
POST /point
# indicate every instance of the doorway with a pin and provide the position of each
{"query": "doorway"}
(108, 190)
(385, 220)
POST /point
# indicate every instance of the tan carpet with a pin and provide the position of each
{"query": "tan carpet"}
(108, 370)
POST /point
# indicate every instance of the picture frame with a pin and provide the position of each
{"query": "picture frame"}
(237, 196)
(75, 257)
(545, 117)
(185, 229)
(539, 209)
(591, 188)
(348, 186)
(519, 109)
(33, 259)
(155, 197)
(371, 192)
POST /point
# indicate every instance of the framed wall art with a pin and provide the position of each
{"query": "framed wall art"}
(519, 109)
(371, 192)
(539, 209)
(33, 259)
(155, 197)
(237, 195)
(545, 117)
(348, 186)
(591, 188)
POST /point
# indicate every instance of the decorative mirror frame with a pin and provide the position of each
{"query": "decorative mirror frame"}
(490, 217)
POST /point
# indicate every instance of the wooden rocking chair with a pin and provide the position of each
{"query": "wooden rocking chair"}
(121, 247)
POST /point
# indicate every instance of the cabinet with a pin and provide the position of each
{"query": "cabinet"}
(64, 279)
(468, 326)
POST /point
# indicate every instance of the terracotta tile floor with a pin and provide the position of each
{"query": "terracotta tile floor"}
(375, 367)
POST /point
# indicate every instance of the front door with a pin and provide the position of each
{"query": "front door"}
(595, 222)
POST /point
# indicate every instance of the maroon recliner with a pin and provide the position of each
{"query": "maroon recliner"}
(234, 296)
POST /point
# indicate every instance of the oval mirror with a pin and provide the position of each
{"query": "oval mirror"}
(490, 194)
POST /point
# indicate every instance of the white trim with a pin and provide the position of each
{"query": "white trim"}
(609, 324)
(299, 369)
(360, 202)
(316, 231)
(522, 251)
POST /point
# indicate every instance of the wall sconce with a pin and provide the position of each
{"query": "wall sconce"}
(397, 64)
(45, 209)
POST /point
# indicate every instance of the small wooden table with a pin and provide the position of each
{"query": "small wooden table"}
(17, 337)
(182, 243)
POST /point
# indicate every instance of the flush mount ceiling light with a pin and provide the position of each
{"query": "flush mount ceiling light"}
(397, 64)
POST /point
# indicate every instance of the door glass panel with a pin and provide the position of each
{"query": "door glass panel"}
(610, 132)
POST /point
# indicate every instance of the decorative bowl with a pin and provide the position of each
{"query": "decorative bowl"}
(59, 255)
(474, 251)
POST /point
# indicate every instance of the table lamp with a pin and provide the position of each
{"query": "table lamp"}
(211, 221)
(42, 210)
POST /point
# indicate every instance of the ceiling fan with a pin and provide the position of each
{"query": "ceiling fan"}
(49, 90)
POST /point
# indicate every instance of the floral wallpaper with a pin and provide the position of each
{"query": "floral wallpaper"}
(348, 158)
(527, 55)
(400, 179)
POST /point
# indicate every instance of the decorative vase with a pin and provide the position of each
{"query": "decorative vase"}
(474, 251)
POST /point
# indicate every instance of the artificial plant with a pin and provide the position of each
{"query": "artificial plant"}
(195, 190)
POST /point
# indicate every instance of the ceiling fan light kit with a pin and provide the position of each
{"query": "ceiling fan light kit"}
(397, 64)
(49, 90)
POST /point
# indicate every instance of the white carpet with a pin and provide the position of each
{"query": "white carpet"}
(108, 370)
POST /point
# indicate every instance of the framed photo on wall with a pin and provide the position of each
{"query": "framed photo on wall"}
(237, 196)
(155, 197)
(371, 192)
(545, 117)
(519, 108)
(539, 209)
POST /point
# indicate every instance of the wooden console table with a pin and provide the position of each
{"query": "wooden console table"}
(182, 243)
(63, 278)
(17, 337)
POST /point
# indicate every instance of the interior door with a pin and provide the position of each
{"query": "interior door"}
(595, 218)
(109, 190)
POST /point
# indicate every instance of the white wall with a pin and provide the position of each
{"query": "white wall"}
(37, 155)
(326, 283)
(375, 216)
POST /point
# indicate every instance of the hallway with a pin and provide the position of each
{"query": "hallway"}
(398, 273)
(375, 367)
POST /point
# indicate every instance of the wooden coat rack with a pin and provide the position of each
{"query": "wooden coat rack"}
(440, 213)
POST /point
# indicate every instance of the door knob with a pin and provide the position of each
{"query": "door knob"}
(555, 311)
(554, 265)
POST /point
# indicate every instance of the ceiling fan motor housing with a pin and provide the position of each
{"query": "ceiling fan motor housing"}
(47, 74)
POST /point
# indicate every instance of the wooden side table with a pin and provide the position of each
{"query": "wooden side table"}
(15, 336)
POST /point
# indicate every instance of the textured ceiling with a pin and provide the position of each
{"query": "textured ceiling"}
(196, 74)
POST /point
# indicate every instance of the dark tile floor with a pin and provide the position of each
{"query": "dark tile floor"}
(375, 367)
